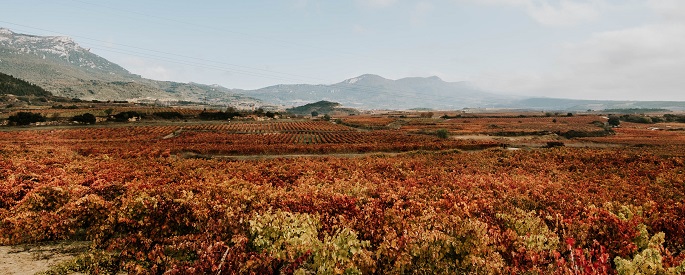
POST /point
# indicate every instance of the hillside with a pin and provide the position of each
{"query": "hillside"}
(424, 93)
(374, 92)
(14, 86)
(59, 65)
(321, 107)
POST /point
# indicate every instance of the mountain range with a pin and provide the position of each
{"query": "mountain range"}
(59, 65)
(374, 92)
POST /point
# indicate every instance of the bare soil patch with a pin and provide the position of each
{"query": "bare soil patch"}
(34, 258)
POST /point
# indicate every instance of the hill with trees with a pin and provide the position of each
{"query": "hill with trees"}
(321, 107)
(14, 86)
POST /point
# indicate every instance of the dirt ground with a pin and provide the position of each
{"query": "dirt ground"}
(30, 259)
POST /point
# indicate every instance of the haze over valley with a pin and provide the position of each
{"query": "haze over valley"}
(66, 69)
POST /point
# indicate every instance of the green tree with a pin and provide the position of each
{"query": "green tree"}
(614, 121)
(315, 113)
(86, 118)
(442, 133)
(25, 118)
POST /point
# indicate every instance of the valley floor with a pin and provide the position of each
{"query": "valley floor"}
(434, 196)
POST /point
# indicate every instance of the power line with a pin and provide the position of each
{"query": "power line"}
(162, 52)
(252, 36)
(393, 92)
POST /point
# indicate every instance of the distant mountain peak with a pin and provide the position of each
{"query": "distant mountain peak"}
(61, 66)
(6, 31)
(362, 77)
(58, 48)
(423, 79)
(373, 77)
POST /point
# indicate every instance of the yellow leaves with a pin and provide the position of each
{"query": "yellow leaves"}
(289, 236)
(648, 261)
(531, 230)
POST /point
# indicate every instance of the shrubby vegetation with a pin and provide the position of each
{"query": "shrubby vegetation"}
(126, 116)
(614, 121)
(221, 115)
(442, 133)
(25, 118)
(158, 202)
(18, 87)
(674, 118)
(86, 118)
(563, 211)
(635, 110)
(639, 119)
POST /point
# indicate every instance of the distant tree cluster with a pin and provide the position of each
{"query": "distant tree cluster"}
(640, 119)
(18, 87)
(125, 116)
(614, 121)
(320, 107)
(25, 118)
(650, 119)
(674, 118)
(205, 115)
(634, 110)
(86, 118)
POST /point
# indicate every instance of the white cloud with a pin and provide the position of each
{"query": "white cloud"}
(672, 10)
(643, 63)
(553, 12)
(566, 13)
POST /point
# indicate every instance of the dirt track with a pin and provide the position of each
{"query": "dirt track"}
(30, 259)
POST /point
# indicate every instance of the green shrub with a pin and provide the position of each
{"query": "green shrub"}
(25, 118)
(292, 238)
(533, 234)
(86, 118)
(648, 260)
(460, 245)
(442, 133)
(614, 121)
(125, 116)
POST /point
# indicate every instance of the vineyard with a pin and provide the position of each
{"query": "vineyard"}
(510, 125)
(241, 138)
(104, 111)
(431, 207)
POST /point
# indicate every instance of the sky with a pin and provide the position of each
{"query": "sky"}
(583, 49)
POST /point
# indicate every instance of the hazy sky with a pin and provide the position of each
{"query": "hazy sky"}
(595, 49)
